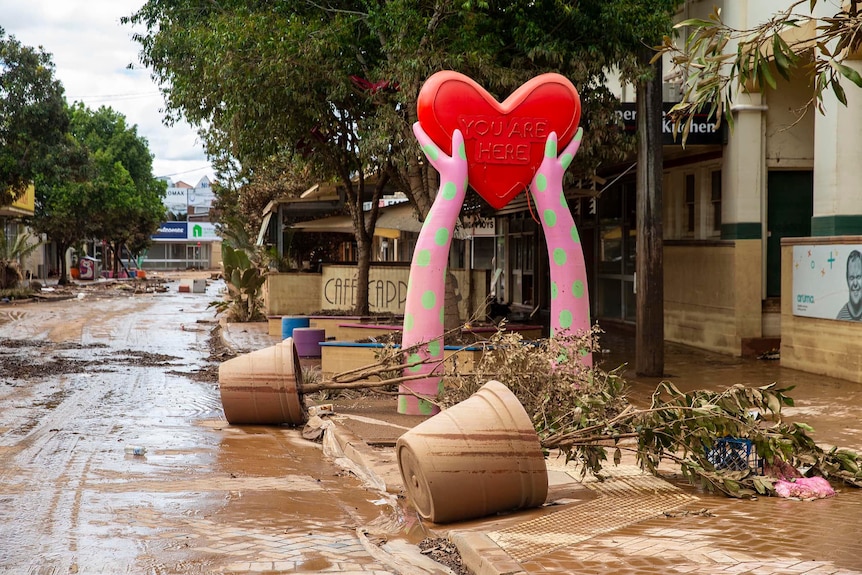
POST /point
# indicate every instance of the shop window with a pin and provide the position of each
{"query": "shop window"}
(716, 201)
(483, 253)
(689, 203)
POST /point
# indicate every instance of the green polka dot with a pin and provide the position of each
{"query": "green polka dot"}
(415, 357)
(565, 319)
(550, 149)
(429, 300)
(565, 160)
(462, 152)
(550, 218)
(426, 407)
(583, 352)
(427, 221)
(563, 203)
(449, 190)
(559, 256)
(431, 151)
(441, 236)
(434, 348)
(423, 258)
(442, 313)
(555, 291)
(402, 404)
(576, 237)
(440, 386)
(578, 289)
(541, 182)
(409, 322)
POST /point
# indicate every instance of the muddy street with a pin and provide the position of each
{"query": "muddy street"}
(84, 382)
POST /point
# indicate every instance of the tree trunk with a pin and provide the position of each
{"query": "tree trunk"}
(649, 339)
(64, 278)
(363, 265)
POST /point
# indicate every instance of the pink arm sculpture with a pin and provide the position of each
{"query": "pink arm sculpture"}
(423, 312)
(570, 302)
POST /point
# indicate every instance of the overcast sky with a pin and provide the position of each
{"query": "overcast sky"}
(91, 51)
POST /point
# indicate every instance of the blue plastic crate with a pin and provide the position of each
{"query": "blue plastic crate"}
(732, 454)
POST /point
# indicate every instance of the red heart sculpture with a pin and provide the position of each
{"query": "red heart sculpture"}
(505, 143)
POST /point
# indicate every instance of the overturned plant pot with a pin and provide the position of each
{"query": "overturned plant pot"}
(263, 387)
(479, 457)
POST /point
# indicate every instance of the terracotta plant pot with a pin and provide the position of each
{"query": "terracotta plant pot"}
(477, 458)
(263, 387)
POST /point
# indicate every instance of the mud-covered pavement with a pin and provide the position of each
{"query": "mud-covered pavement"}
(83, 379)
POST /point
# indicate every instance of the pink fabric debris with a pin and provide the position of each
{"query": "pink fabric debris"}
(804, 488)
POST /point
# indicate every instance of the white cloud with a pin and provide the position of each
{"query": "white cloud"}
(91, 51)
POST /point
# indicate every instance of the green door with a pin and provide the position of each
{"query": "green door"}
(788, 214)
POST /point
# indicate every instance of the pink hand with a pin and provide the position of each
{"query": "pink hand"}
(570, 302)
(423, 311)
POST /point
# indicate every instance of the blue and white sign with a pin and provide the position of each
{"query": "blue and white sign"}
(827, 281)
(186, 231)
(171, 231)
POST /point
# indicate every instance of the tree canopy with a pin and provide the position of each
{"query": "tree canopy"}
(32, 115)
(336, 84)
(126, 198)
(100, 185)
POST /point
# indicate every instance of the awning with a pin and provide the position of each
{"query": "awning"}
(400, 217)
(391, 221)
(332, 224)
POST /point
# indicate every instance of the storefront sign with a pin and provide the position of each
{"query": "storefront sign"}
(171, 231)
(827, 281)
(184, 231)
(702, 131)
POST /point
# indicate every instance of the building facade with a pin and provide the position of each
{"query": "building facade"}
(744, 210)
(188, 240)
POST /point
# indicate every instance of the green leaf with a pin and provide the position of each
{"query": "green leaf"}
(848, 73)
(839, 92)
(695, 23)
(782, 62)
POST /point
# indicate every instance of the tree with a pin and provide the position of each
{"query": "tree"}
(126, 197)
(64, 202)
(717, 60)
(337, 84)
(33, 116)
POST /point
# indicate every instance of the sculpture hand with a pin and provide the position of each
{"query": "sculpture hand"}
(452, 168)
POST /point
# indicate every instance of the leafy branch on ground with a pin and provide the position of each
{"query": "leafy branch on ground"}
(584, 412)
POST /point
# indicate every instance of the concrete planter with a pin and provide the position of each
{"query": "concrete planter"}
(341, 356)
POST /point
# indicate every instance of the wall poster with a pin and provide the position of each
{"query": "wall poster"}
(827, 281)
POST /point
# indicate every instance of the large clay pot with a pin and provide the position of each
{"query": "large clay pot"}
(478, 457)
(263, 387)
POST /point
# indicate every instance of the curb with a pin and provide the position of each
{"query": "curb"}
(479, 553)
(482, 556)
